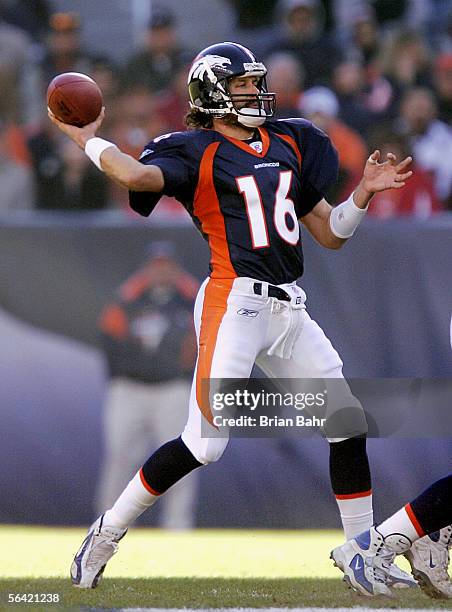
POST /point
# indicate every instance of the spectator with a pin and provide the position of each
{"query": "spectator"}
(390, 14)
(83, 189)
(155, 65)
(303, 38)
(406, 62)
(429, 139)
(16, 179)
(364, 93)
(442, 80)
(136, 122)
(150, 346)
(439, 26)
(15, 50)
(63, 53)
(107, 76)
(251, 15)
(320, 105)
(33, 17)
(285, 76)
(365, 37)
(64, 180)
(349, 83)
(171, 105)
(255, 23)
(16, 139)
(418, 198)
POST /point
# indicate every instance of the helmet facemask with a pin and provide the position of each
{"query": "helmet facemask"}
(260, 107)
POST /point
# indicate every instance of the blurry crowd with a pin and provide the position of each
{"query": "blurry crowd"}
(370, 73)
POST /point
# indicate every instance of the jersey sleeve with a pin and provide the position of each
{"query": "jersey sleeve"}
(319, 166)
(176, 159)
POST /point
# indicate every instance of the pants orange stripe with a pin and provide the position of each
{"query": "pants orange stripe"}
(147, 486)
(355, 495)
(214, 307)
(414, 520)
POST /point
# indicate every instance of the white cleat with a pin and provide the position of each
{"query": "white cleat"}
(398, 579)
(365, 562)
(429, 560)
(97, 549)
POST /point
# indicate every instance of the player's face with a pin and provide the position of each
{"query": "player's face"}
(244, 86)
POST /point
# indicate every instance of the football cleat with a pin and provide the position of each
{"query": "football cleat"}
(97, 548)
(429, 560)
(365, 562)
(399, 579)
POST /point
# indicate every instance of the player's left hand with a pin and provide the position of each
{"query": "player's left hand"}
(385, 175)
(80, 135)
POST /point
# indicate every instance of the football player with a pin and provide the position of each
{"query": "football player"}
(246, 179)
(366, 559)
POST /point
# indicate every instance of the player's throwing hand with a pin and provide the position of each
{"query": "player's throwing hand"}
(80, 135)
(386, 175)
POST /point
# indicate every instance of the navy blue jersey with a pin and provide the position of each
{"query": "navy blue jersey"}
(246, 203)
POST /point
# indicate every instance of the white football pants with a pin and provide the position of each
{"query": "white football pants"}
(235, 329)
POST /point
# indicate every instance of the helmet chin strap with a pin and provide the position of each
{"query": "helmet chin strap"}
(251, 120)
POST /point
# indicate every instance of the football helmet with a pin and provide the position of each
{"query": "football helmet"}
(208, 84)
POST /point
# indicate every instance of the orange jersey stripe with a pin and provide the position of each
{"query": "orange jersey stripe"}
(294, 146)
(246, 147)
(207, 208)
(355, 495)
(214, 307)
(413, 519)
(146, 485)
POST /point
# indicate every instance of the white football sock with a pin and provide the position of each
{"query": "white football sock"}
(356, 514)
(401, 522)
(132, 502)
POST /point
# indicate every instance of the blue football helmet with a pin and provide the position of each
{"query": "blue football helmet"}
(208, 84)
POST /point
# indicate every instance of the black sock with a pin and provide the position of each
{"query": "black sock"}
(432, 507)
(349, 467)
(168, 464)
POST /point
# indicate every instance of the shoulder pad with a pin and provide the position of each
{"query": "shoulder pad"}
(166, 142)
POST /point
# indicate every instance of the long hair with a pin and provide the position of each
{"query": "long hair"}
(196, 119)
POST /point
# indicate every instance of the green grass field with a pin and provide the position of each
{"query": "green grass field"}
(198, 569)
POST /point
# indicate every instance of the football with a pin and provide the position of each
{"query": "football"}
(74, 98)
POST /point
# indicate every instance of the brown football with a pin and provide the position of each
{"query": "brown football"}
(74, 98)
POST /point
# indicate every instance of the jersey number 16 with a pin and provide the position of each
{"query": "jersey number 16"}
(284, 208)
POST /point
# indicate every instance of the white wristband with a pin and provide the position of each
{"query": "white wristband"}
(345, 218)
(95, 147)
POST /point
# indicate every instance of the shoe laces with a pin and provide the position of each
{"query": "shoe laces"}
(103, 547)
(381, 563)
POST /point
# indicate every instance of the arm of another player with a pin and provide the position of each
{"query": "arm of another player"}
(332, 227)
(120, 167)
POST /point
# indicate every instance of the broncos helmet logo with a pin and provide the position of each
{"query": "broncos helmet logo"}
(205, 65)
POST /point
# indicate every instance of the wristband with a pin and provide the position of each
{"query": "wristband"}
(95, 147)
(345, 218)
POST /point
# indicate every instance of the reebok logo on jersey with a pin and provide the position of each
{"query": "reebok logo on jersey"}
(247, 313)
(267, 165)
